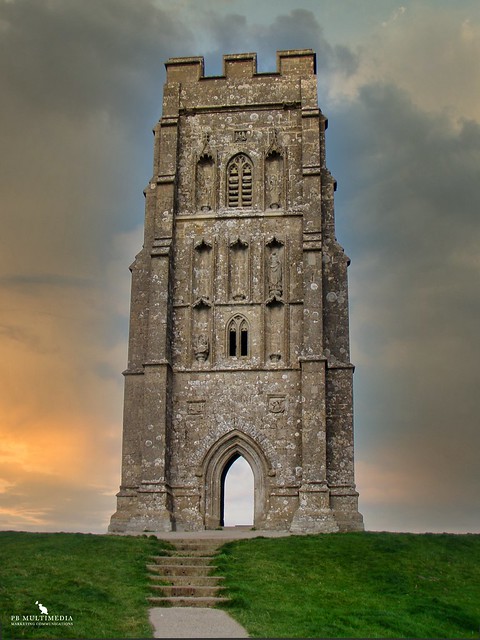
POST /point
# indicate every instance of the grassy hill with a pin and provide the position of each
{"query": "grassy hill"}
(100, 581)
(337, 585)
(356, 585)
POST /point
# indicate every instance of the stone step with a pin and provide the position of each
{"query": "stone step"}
(180, 569)
(198, 546)
(182, 601)
(200, 581)
(183, 560)
(187, 591)
(206, 552)
(199, 542)
(185, 570)
(182, 545)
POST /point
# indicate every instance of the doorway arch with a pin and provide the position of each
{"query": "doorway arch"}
(237, 493)
(215, 466)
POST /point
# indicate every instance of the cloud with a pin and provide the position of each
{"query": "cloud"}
(75, 58)
(299, 29)
(429, 51)
(81, 88)
(409, 220)
(398, 13)
(40, 502)
(63, 349)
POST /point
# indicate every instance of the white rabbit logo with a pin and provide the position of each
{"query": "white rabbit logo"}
(43, 609)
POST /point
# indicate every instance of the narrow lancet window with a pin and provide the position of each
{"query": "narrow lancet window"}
(244, 339)
(233, 341)
(237, 337)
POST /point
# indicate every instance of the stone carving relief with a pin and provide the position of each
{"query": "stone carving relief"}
(195, 407)
(275, 269)
(240, 135)
(201, 347)
(275, 274)
(276, 404)
(201, 330)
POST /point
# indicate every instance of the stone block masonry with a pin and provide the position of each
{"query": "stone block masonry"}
(239, 326)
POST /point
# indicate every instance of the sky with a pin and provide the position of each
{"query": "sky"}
(81, 88)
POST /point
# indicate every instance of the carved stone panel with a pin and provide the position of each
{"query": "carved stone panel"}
(201, 347)
(196, 407)
(276, 403)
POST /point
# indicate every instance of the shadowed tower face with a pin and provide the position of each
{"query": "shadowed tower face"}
(239, 342)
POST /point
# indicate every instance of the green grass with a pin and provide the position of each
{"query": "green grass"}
(101, 581)
(337, 585)
(355, 585)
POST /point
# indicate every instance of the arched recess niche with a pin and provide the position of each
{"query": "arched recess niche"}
(274, 180)
(205, 183)
(215, 465)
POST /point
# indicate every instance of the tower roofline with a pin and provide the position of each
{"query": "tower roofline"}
(290, 62)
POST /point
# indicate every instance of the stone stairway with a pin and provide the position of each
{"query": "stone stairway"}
(182, 578)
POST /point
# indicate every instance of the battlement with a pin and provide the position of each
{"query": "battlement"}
(293, 62)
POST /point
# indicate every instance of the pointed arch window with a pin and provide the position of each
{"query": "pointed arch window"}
(239, 181)
(237, 337)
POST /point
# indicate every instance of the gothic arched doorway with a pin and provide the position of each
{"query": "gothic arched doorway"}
(237, 493)
(216, 465)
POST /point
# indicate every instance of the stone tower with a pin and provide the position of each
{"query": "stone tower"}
(239, 337)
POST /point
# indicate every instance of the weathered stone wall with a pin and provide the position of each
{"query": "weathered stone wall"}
(239, 313)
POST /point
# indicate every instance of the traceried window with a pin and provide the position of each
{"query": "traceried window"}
(239, 181)
(237, 336)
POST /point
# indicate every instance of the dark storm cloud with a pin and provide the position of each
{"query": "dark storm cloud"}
(409, 203)
(298, 29)
(72, 57)
(81, 88)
